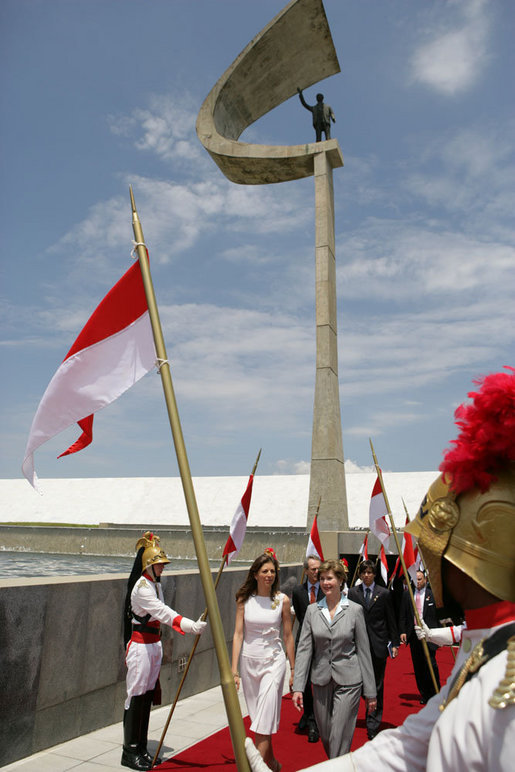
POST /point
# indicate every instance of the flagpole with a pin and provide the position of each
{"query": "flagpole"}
(230, 695)
(194, 647)
(359, 561)
(403, 563)
(396, 567)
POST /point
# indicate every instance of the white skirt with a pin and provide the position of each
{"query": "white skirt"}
(263, 680)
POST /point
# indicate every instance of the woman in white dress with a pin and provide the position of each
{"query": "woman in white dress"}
(260, 611)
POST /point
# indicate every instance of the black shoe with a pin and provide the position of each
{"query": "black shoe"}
(313, 735)
(143, 752)
(132, 758)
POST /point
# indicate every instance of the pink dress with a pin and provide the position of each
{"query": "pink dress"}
(263, 662)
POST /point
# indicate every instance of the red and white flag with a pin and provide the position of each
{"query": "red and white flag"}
(238, 524)
(314, 545)
(377, 514)
(410, 557)
(384, 566)
(364, 549)
(114, 350)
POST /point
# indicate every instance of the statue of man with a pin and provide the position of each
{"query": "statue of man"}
(322, 116)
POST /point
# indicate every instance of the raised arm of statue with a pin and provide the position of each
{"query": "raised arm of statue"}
(303, 101)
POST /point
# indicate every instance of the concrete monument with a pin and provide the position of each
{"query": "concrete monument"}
(265, 74)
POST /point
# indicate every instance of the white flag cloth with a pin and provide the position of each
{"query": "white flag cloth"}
(377, 514)
(314, 544)
(363, 550)
(238, 524)
(384, 566)
(113, 351)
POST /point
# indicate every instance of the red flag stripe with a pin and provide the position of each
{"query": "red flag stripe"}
(238, 524)
(122, 305)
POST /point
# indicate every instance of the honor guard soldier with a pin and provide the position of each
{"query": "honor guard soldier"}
(466, 531)
(145, 611)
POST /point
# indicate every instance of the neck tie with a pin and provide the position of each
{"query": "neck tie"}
(368, 593)
(418, 603)
(312, 596)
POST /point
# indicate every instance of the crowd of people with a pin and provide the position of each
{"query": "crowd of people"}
(465, 535)
(465, 531)
(343, 641)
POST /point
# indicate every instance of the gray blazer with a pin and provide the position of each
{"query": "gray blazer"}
(340, 650)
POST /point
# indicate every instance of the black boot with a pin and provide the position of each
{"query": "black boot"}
(132, 722)
(143, 736)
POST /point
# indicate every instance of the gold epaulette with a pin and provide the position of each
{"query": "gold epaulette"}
(504, 694)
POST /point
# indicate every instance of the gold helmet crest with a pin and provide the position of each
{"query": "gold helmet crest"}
(153, 553)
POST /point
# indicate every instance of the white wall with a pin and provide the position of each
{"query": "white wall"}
(278, 500)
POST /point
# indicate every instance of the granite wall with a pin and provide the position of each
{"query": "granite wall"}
(62, 671)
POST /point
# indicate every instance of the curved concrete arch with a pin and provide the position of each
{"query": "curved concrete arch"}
(295, 48)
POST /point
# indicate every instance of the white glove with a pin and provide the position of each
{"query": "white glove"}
(189, 626)
(423, 632)
(440, 636)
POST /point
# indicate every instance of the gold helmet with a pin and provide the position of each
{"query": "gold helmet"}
(468, 513)
(152, 552)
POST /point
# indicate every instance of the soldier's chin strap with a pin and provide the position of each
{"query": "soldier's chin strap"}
(150, 569)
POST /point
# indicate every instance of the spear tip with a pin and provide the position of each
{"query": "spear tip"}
(133, 205)
(256, 462)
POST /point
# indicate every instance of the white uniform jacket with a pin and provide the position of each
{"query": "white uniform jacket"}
(147, 598)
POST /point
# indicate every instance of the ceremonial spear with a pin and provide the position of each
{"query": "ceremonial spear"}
(229, 693)
(403, 563)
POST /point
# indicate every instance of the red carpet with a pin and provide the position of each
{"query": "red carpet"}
(294, 751)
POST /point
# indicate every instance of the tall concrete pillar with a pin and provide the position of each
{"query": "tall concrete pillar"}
(294, 49)
(327, 480)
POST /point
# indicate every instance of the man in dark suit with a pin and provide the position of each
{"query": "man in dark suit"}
(427, 611)
(302, 596)
(382, 630)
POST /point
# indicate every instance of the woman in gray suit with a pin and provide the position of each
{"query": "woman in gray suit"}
(334, 644)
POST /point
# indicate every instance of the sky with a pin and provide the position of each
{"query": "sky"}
(97, 95)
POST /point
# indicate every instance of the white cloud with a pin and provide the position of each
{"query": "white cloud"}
(166, 128)
(352, 468)
(378, 423)
(452, 60)
(469, 174)
(398, 261)
(287, 466)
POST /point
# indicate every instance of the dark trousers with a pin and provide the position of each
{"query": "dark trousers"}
(422, 675)
(308, 714)
(374, 719)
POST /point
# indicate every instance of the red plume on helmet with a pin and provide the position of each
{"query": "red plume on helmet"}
(486, 444)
